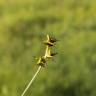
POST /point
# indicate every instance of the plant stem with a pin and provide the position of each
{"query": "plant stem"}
(33, 78)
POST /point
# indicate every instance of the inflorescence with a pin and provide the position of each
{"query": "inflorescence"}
(49, 43)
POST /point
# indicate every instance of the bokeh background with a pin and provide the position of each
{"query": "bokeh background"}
(23, 27)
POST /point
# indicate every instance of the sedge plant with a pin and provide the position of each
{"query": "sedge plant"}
(42, 61)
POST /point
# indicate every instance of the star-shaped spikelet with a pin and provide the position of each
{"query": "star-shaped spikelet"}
(41, 61)
(50, 41)
(48, 53)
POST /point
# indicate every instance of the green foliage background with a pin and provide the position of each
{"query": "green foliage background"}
(23, 26)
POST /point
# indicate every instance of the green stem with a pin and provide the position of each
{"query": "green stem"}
(33, 78)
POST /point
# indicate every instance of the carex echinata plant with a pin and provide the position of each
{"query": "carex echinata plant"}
(42, 60)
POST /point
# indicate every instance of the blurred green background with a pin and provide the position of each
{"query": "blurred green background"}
(23, 27)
